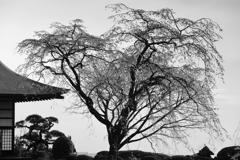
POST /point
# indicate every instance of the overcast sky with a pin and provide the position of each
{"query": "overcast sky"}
(20, 18)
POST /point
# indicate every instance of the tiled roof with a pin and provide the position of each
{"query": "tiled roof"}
(21, 89)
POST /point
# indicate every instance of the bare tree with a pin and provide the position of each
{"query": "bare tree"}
(150, 76)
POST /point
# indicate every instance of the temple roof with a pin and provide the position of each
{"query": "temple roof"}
(18, 88)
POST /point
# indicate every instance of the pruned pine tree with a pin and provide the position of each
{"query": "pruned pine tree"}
(150, 76)
(38, 133)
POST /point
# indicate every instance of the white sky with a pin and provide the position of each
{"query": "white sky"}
(20, 18)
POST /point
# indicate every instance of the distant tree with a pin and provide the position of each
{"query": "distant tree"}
(150, 76)
(38, 134)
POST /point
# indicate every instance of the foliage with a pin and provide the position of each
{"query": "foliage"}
(107, 157)
(103, 155)
(131, 154)
(149, 158)
(228, 153)
(83, 157)
(150, 76)
(70, 157)
(18, 147)
(38, 138)
(62, 147)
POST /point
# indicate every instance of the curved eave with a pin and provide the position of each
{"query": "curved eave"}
(17, 88)
(30, 97)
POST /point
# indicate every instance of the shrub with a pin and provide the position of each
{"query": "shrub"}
(62, 147)
(149, 158)
(131, 154)
(104, 156)
(83, 157)
(70, 157)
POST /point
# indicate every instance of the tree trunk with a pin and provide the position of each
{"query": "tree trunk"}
(115, 136)
(113, 152)
(113, 140)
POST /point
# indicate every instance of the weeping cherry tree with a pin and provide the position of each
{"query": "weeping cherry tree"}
(150, 76)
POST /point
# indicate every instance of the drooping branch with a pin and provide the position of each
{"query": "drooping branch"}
(150, 74)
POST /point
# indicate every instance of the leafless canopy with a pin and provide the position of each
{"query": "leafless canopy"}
(149, 76)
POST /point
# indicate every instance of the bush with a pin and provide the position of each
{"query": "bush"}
(103, 155)
(131, 154)
(70, 157)
(62, 147)
(149, 158)
(83, 157)
(106, 158)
